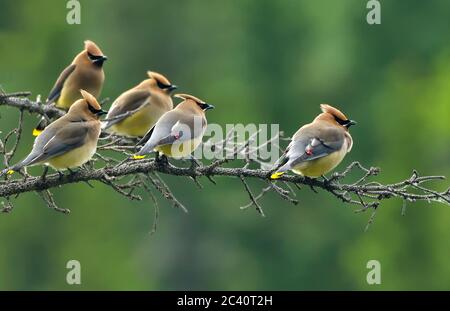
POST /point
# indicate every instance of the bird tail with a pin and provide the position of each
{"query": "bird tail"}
(280, 167)
(140, 154)
(43, 123)
(276, 175)
(146, 149)
(31, 159)
(8, 171)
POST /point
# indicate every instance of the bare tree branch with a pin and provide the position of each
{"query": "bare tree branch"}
(364, 192)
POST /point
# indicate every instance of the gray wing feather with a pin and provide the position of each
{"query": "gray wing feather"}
(173, 126)
(161, 129)
(312, 146)
(119, 111)
(54, 142)
(56, 90)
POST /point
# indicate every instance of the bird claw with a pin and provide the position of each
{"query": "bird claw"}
(44, 174)
(161, 159)
(195, 162)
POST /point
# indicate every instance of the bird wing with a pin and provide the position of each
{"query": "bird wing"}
(56, 90)
(146, 137)
(173, 126)
(315, 144)
(186, 128)
(126, 105)
(67, 138)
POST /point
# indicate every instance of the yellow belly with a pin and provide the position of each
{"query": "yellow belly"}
(321, 166)
(139, 123)
(67, 98)
(70, 94)
(73, 158)
(178, 151)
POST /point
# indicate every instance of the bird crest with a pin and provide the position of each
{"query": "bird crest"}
(333, 111)
(158, 77)
(187, 96)
(90, 99)
(92, 48)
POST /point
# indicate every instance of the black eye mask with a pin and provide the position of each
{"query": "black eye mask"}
(162, 85)
(205, 106)
(97, 60)
(347, 123)
(95, 111)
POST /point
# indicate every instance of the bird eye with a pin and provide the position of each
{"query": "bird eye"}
(92, 109)
(95, 111)
(96, 58)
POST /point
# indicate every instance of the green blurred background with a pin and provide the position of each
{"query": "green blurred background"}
(258, 62)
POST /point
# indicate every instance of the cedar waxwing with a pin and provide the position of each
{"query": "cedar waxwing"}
(69, 141)
(85, 72)
(178, 132)
(136, 111)
(317, 147)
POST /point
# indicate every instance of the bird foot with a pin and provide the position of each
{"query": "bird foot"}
(161, 159)
(44, 174)
(195, 162)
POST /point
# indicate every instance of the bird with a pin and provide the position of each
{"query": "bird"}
(70, 141)
(85, 72)
(178, 132)
(136, 111)
(318, 147)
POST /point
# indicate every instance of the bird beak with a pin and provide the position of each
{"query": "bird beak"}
(99, 60)
(350, 123)
(208, 107)
(172, 88)
(101, 112)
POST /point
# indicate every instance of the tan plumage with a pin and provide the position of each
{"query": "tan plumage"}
(179, 131)
(317, 147)
(136, 111)
(69, 141)
(85, 72)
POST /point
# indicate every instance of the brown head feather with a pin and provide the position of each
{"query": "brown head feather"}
(92, 48)
(187, 96)
(158, 77)
(90, 99)
(333, 111)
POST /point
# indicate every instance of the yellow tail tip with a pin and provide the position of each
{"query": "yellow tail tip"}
(36, 132)
(10, 172)
(138, 157)
(276, 175)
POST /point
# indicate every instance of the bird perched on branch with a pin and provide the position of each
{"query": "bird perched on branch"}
(136, 111)
(178, 132)
(69, 141)
(317, 147)
(85, 72)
